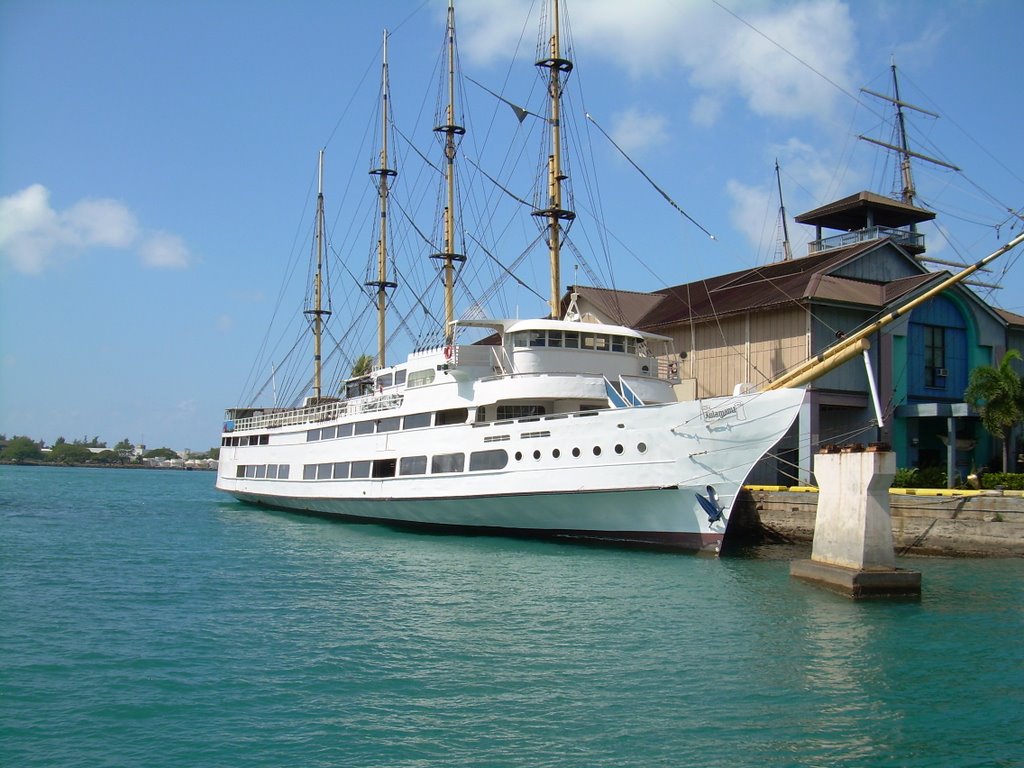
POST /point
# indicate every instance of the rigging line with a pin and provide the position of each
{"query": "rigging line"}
(506, 269)
(947, 214)
(977, 143)
(290, 268)
(371, 66)
(498, 184)
(649, 179)
(855, 98)
(785, 50)
(415, 149)
(408, 217)
(596, 279)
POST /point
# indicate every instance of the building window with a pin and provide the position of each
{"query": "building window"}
(934, 356)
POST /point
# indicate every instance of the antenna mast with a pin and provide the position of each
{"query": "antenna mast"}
(385, 175)
(787, 252)
(318, 312)
(554, 213)
(451, 131)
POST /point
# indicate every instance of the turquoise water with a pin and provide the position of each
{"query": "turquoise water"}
(147, 621)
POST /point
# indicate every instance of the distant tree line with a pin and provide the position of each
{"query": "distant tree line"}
(23, 450)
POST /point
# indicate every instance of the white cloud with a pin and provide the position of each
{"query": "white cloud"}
(162, 249)
(102, 223)
(809, 180)
(636, 129)
(719, 54)
(705, 110)
(33, 235)
(750, 212)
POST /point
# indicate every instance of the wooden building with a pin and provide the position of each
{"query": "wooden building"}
(747, 327)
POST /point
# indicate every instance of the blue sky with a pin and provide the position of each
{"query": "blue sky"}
(157, 165)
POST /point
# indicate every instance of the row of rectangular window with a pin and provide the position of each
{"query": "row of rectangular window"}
(440, 464)
(243, 440)
(389, 424)
(263, 471)
(575, 340)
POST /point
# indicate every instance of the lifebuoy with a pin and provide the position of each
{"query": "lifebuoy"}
(448, 352)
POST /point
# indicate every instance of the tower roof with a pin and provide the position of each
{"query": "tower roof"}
(856, 211)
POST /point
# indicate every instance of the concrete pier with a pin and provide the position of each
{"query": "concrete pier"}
(853, 550)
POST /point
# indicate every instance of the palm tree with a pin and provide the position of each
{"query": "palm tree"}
(362, 366)
(998, 394)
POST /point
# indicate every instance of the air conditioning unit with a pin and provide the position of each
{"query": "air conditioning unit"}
(941, 372)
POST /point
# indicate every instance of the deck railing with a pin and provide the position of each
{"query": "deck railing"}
(272, 418)
(901, 236)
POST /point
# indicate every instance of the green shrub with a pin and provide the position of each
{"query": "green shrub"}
(1010, 481)
(925, 477)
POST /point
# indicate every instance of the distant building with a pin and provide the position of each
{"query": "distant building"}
(747, 327)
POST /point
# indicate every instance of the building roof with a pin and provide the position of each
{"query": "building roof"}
(760, 287)
(624, 307)
(851, 213)
(1011, 318)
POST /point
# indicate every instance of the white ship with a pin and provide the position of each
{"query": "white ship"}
(553, 427)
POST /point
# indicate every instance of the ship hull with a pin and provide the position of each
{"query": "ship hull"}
(664, 475)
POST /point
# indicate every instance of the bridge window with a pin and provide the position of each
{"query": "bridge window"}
(421, 378)
(519, 411)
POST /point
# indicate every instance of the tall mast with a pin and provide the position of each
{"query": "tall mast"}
(385, 175)
(903, 149)
(787, 252)
(554, 213)
(908, 179)
(451, 131)
(318, 312)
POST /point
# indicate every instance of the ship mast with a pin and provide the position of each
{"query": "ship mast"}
(554, 213)
(903, 150)
(318, 312)
(451, 131)
(385, 175)
(787, 251)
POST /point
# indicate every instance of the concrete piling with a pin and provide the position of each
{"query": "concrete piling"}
(852, 552)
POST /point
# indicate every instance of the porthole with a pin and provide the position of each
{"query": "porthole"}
(618, 448)
(642, 447)
(597, 450)
(556, 453)
(536, 454)
(576, 452)
(519, 455)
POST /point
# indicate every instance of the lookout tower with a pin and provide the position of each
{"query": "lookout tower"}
(866, 216)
